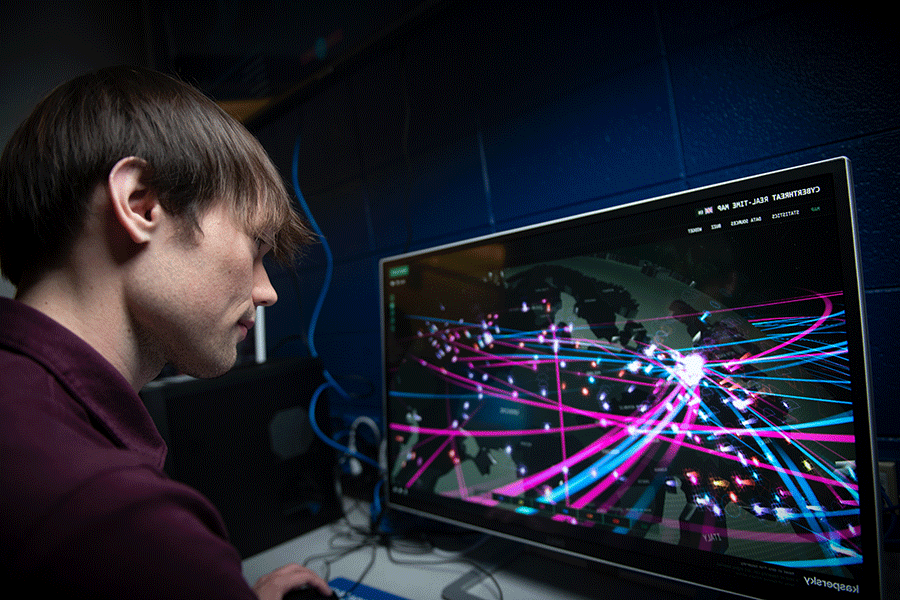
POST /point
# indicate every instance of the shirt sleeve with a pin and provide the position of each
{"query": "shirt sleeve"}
(133, 533)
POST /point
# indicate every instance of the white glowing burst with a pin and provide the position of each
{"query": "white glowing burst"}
(783, 514)
(689, 369)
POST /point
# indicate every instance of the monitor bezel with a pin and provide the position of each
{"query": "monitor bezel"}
(623, 551)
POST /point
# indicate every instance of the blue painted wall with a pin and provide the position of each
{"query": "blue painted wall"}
(488, 118)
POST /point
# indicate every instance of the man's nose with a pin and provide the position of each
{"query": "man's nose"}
(263, 292)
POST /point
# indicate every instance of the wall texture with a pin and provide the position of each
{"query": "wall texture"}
(493, 117)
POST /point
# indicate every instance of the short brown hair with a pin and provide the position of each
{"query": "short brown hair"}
(196, 153)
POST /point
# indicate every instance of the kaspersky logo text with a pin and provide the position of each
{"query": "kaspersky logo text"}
(841, 587)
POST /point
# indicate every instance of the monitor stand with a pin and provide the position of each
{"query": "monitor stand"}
(552, 575)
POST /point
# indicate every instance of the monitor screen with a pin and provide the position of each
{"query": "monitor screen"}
(677, 386)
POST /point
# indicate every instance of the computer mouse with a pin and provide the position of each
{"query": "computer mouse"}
(307, 593)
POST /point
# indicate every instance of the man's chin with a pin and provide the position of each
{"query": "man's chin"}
(209, 369)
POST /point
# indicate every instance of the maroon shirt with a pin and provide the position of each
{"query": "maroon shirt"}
(84, 505)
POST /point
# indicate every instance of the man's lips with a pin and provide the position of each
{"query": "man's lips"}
(245, 325)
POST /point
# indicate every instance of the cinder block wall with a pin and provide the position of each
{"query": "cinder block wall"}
(488, 118)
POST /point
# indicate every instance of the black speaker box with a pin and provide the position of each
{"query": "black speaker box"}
(245, 441)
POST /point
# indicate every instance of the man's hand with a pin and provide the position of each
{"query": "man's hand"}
(274, 585)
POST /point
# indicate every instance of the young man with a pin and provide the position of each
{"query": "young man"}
(134, 217)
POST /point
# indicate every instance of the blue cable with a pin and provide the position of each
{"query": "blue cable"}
(325, 438)
(329, 258)
(329, 269)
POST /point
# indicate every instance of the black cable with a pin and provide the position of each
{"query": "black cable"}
(449, 560)
(365, 540)
(362, 537)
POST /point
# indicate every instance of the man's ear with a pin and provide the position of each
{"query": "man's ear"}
(134, 204)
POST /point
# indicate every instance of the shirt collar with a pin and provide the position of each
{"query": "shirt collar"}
(85, 374)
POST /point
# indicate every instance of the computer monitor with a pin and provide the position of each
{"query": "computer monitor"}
(677, 386)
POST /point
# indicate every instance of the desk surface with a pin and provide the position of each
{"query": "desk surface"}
(417, 573)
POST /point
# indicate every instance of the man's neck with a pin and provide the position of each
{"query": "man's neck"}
(95, 313)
